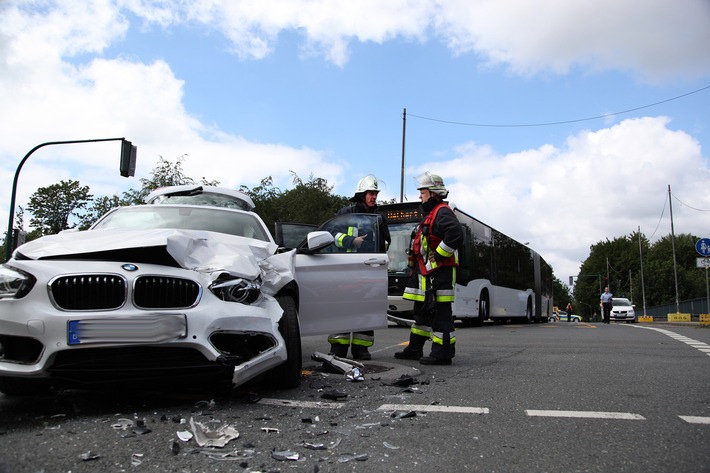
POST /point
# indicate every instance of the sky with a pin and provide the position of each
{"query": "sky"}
(561, 124)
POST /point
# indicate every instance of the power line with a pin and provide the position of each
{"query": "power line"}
(522, 125)
(689, 206)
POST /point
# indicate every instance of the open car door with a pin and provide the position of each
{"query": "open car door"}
(341, 290)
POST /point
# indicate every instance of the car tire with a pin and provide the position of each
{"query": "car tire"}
(288, 374)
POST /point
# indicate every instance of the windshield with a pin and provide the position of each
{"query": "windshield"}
(401, 234)
(210, 199)
(148, 217)
(620, 302)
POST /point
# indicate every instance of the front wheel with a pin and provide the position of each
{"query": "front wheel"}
(288, 374)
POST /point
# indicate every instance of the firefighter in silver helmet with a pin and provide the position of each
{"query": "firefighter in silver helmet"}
(353, 240)
(433, 258)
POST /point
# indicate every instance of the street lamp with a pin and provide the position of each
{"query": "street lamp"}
(127, 168)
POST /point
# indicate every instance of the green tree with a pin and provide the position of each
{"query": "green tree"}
(622, 257)
(309, 201)
(164, 174)
(52, 206)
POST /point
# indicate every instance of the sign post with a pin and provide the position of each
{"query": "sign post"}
(703, 248)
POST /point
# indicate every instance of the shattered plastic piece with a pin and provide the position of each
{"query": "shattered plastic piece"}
(140, 428)
(404, 415)
(284, 455)
(231, 456)
(339, 365)
(184, 435)
(346, 458)
(390, 446)
(334, 395)
(136, 459)
(314, 446)
(270, 430)
(122, 424)
(321, 446)
(403, 381)
(355, 375)
(208, 404)
(89, 456)
(206, 437)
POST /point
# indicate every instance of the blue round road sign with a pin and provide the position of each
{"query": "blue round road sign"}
(703, 246)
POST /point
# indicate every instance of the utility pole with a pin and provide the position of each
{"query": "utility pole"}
(401, 179)
(675, 266)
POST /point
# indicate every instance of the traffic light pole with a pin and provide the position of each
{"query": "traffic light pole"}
(11, 219)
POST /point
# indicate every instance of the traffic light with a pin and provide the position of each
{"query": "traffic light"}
(571, 280)
(128, 158)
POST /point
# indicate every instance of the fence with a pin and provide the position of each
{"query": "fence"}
(694, 307)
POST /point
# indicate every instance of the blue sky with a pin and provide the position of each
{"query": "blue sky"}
(247, 90)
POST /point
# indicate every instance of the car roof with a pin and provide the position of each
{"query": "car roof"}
(183, 194)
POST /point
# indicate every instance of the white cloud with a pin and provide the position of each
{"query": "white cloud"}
(657, 39)
(606, 182)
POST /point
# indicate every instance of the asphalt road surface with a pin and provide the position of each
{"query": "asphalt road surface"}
(556, 397)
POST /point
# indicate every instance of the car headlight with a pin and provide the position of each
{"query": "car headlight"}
(239, 290)
(15, 283)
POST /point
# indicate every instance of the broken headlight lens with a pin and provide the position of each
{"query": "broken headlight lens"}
(15, 283)
(239, 290)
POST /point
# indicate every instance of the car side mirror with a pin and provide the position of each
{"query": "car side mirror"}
(318, 240)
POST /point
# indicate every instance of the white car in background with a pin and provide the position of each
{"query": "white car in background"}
(623, 309)
(192, 289)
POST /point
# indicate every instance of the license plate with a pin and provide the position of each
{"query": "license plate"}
(139, 329)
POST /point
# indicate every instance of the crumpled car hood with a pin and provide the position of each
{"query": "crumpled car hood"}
(210, 253)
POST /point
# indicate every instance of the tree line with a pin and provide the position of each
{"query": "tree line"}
(616, 263)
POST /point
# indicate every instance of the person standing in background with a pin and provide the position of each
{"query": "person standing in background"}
(606, 305)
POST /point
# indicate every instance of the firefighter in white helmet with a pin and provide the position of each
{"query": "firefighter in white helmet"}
(354, 239)
(433, 258)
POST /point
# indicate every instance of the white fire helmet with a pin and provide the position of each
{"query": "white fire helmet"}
(434, 183)
(367, 183)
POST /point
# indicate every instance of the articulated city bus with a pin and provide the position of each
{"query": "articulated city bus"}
(498, 278)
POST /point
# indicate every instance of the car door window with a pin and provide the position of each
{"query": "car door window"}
(354, 225)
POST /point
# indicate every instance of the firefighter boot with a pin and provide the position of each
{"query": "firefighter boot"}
(339, 350)
(360, 352)
(415, 349)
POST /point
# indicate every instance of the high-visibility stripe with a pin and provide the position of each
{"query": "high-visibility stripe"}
(363, 340)
(438, 338)
(339, 339)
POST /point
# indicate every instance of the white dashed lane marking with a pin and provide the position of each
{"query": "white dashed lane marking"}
(477, 410)
(433, 408)
(700, 346)
(696, 419)
(585, 414)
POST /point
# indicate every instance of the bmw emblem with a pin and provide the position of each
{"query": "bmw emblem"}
(129, 267)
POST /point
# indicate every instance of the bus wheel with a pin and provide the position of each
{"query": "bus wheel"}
(529, 312)
(482, 311)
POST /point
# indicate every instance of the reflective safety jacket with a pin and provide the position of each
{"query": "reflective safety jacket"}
(344, 238)
(439, 233)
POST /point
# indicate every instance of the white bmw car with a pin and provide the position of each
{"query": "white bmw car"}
(190, 287)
